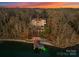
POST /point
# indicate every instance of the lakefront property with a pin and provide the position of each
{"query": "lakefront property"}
(42, 29)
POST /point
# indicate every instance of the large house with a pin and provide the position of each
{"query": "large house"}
(38, 25)
(38, 22)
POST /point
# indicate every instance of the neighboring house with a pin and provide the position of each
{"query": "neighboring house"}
(38, 22)
(38, 26)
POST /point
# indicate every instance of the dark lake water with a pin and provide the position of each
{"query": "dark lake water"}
(19, 49)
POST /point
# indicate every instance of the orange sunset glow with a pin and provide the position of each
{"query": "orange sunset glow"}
(43, 5)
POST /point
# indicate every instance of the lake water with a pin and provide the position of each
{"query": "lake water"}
(19, 49)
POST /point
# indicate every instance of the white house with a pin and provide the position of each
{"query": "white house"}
(38, 22)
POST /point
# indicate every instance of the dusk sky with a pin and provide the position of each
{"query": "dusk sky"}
(40, 4)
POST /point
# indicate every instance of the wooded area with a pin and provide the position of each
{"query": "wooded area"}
(62, 28)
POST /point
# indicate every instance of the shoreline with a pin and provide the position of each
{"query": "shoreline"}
(45, 43)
